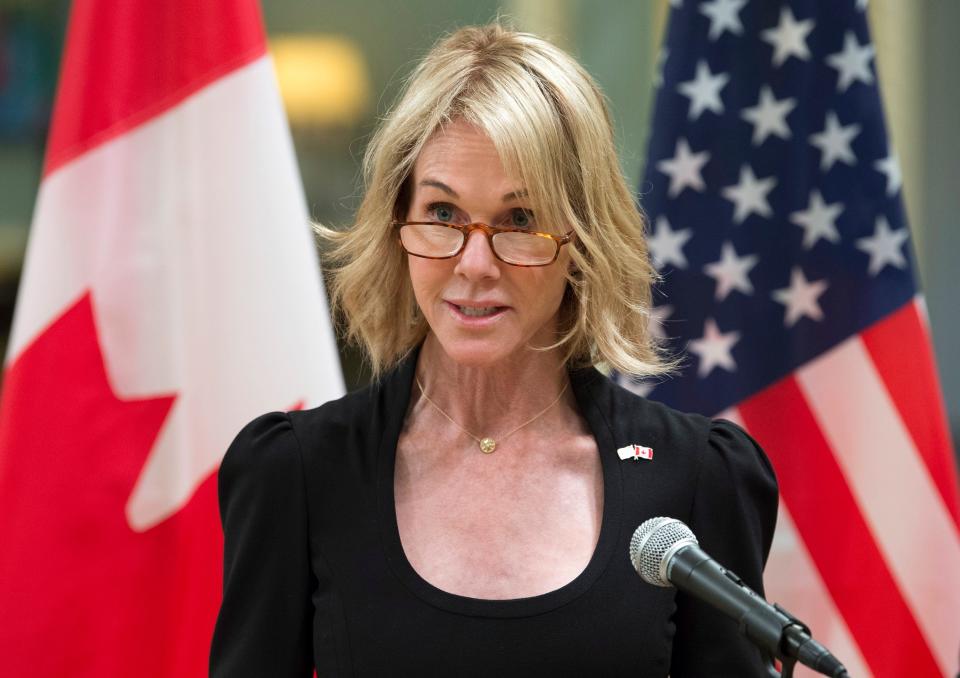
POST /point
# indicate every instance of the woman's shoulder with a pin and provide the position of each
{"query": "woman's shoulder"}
(694, 441)
(345, 411)
(715, 468)
(264, 454)
(359, 413)
(635, 414)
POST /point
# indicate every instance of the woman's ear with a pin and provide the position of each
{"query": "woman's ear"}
(572, 269)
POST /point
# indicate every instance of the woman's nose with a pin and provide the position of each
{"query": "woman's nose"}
(477, 260)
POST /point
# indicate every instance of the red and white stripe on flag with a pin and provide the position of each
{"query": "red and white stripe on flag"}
(867, 549)
(170, 293)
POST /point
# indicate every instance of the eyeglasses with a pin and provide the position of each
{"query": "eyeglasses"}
(514, 246)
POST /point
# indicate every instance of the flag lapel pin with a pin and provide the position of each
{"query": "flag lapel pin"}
(635, 452)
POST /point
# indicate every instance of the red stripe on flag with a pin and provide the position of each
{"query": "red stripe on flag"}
(126, 62)
(835, 533)
(900, 348)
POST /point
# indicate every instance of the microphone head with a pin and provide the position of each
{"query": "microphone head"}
(653, 545)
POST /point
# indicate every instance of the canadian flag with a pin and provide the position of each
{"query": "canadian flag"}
(170, 293)
(641, 452)
(635, 452)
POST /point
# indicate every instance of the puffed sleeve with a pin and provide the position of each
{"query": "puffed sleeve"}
(733, 516)
(264, 625)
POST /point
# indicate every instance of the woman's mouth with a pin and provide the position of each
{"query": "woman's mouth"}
(478, 311)
(472, 313)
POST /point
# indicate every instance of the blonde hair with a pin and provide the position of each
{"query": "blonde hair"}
(552, 129)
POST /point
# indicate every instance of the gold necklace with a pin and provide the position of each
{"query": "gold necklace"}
(488, 445)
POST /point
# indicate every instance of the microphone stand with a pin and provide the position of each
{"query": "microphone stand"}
(786, 669)
(774, 630)
(790, 662)
(792, 634)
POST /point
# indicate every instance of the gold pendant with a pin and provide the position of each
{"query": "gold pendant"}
(488, 445)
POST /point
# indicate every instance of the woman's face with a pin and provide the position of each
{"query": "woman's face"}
(481, 309)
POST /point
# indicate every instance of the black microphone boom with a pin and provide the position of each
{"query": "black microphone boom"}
(665, 552)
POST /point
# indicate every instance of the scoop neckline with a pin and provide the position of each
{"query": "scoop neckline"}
(397, 403)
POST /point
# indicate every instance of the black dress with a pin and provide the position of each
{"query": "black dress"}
(315, 575)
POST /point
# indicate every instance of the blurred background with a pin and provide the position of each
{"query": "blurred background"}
(341, 63)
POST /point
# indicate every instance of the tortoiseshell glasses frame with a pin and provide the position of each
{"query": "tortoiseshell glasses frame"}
(491, 232)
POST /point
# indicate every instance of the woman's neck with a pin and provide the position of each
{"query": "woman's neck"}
(491, 399)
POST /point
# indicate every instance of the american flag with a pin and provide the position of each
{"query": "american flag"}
(774, 198)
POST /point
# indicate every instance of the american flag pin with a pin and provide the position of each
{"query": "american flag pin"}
(635, 452)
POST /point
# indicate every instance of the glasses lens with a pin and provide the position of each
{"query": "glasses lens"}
(430, 240)
(525, 249)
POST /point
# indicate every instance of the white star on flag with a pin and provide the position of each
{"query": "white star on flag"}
(666, 245)
(723, 16)
(713, 348)
(637, 385)
(801, 298)
(890, 166)
(704, 90)
(885, 246)
(684, 168)
(731, 271)
(818, 220)
(852, 62)
(834, 142)
(749, 196)
(769, 116)
(789, 38)
(658, 69)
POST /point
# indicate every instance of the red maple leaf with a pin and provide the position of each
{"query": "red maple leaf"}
(81, 593)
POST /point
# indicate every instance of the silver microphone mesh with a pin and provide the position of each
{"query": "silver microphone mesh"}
(650, 544)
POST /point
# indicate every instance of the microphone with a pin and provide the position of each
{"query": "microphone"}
(665, 552)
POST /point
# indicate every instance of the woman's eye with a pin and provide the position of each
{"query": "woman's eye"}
(441, 212)
(522, 218)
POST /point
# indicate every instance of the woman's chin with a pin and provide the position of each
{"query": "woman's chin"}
(479, 353)
(476, 357)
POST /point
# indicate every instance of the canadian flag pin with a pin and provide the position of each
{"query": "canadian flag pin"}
(635, 452)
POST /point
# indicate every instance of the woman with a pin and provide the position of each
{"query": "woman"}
(468, 513)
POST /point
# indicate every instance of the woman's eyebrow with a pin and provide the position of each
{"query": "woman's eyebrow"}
(507, 197)
(439, 184)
